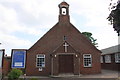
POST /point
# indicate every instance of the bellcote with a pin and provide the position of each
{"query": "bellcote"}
(63, 12)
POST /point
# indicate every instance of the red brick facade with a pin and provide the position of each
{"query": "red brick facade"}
(113, 64)
(51, 45)
(110, 66)
(6, 65)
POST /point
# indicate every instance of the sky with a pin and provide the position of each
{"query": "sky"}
(23, 22)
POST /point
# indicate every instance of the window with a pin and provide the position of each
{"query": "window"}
(87, 60)
(40, 60)
(64, 38)
(107, 58)
(117, 57)
(101, 59)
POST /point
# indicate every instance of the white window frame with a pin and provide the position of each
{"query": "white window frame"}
(40, 56)
(117, 57)
(101, 59)
(107, 58)
(86, 56)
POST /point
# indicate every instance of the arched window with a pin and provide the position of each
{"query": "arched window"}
(64, 11)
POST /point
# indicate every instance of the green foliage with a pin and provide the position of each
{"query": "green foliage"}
(14, 74)
(114, 17)
(21, 79)
(33, 79)
(89, 36)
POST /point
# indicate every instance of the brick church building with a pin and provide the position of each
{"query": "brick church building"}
(63, 49)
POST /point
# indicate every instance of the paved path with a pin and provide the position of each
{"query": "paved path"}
(105, 75)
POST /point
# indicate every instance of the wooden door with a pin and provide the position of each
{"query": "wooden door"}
(65, 63)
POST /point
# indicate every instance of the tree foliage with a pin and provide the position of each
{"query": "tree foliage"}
(114, 16)
(89, 36)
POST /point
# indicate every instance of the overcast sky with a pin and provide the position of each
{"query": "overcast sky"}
(23, 22)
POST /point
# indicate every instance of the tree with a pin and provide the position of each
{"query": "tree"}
(89, 36)
(114, 16)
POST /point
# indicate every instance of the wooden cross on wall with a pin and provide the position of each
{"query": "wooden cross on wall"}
(66, 46)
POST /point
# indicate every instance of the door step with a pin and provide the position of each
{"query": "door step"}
(66, 75)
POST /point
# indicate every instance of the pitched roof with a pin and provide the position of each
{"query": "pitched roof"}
(111, 50)
(54, 38)
(64, 3)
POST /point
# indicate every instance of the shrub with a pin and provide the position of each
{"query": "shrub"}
(14, 74)
(33, 79)
(21, 79)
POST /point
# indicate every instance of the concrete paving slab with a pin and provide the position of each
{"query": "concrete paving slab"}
(105, 75)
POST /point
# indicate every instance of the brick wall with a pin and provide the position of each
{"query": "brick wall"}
(6, 65)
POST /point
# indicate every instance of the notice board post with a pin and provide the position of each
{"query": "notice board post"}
(2, 51)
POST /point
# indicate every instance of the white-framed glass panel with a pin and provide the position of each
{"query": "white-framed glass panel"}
(87, 60)
(101, 59)
(117, 57)
(40, 60)
(107, 58)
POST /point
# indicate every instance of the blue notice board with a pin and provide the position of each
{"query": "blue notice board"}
(18, 59)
